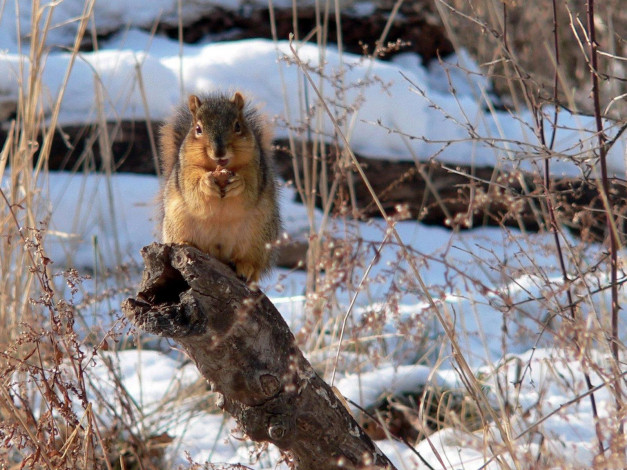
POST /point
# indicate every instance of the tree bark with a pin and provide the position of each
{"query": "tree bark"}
(243, 347)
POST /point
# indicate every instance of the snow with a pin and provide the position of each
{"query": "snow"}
(367, 389)
(389, 109)
(149, 377)
(116, 213)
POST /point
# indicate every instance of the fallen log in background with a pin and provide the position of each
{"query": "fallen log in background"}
(459, 197)
(243, 347)
(464, 196)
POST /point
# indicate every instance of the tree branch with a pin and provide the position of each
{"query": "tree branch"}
(243, 347)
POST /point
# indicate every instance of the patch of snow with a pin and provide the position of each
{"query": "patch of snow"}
(369, 388)
(387, 110)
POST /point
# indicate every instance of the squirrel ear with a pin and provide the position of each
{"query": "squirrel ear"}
(238, 99)
(194, 104)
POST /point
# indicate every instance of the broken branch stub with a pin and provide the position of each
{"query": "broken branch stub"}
(243, 347)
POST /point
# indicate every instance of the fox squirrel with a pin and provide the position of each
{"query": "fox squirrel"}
(220, 191)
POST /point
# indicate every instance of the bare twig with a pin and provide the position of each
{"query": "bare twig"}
(608, 203)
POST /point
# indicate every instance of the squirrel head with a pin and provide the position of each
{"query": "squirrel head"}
(219, 124)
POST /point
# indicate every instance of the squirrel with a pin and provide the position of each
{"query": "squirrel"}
(220, 191)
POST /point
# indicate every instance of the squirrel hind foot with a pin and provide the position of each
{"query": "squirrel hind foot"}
(247, 272)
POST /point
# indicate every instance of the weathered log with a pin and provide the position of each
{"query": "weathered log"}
(243, 347)
(462, 197)
(466, 196)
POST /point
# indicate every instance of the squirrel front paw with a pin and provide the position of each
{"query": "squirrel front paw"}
(210, 186)
(223, 183)
(234, 186)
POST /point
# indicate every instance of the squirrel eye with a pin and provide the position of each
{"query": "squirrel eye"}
(198, 129)
(237, 128)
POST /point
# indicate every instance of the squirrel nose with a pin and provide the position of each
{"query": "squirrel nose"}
(219, 153)
(219, 149)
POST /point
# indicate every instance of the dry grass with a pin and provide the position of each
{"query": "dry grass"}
(531, 67)
(509, 35)
(47, 413)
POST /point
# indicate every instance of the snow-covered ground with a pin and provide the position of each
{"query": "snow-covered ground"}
(387, 113)
(396, 109)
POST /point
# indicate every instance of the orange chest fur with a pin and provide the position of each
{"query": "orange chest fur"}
(221, 227)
